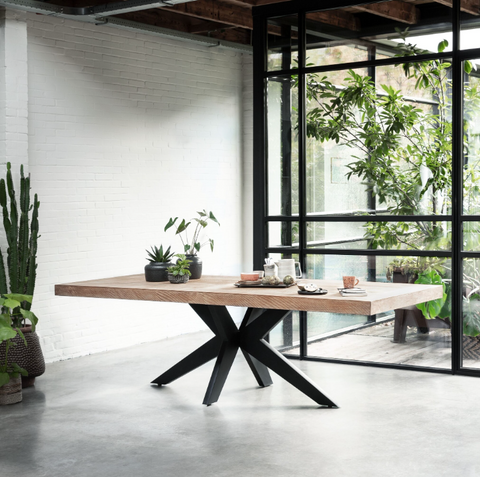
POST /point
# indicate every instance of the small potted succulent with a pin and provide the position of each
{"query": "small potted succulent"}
(11, 321)
(193, 244)
(156, 270)
(179, 273)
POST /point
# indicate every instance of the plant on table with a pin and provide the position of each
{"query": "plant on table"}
(179, 273)
(158, 255)
(193, 244)
(159, 261)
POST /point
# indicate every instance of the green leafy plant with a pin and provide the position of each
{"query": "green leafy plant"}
(432, 309)
(21, 230)
(193, 245)
(181, 267)
(402, 153)
(158, 255)
(12, 318)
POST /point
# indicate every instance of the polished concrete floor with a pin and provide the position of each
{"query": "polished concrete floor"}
(99, 416)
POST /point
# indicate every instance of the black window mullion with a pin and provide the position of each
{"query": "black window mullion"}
(457, 187)
(260, 186)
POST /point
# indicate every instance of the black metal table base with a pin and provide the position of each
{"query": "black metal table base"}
(249, 337)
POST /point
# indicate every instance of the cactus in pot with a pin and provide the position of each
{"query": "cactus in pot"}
(22, 236)
(18, 272)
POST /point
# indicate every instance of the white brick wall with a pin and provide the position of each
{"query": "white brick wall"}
(126, 130)
(13, 87)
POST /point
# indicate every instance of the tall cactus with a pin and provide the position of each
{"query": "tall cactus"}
(22, 233)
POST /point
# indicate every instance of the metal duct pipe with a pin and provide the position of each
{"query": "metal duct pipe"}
(100, 15)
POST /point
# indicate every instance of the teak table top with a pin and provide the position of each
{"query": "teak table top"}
(220, 290)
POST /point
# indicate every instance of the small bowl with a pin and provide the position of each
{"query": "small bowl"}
(249, 277)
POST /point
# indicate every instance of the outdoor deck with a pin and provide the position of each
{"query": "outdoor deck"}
(374, 344)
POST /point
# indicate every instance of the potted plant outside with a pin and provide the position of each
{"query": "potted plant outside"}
(20, 222)
(12, 318)
(156, 270)
(179, 273)
(193, 245)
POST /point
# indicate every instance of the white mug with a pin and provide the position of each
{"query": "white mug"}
(286, 266)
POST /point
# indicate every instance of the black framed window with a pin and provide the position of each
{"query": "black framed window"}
(366, 163)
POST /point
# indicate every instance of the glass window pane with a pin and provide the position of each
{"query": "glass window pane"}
(370, 148)
(283, 234)
(362, 32)
(471, 116)
(285, 337)
(380, 235)
(282, 43)
(471, 313)
(403, 336)
(470, 28)
(282, 147)
(471, 236)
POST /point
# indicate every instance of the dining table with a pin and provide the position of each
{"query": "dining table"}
(265, 306)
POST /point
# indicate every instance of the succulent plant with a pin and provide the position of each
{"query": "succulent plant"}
(158, 255)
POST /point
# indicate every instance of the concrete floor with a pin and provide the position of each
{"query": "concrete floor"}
(99, 416)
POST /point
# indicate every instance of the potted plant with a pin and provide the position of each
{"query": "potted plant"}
(156, 270)
(192, 245)
(179, 273)
(408, 269)
(12, 320)
(20, 224)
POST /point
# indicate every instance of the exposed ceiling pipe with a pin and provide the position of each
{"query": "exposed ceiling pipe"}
(101, 15)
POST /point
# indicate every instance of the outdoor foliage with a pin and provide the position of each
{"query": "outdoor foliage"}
(402, 153)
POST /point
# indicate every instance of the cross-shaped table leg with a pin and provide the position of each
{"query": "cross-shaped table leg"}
(259, 354)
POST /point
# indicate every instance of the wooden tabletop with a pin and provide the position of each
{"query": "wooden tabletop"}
(220, 290)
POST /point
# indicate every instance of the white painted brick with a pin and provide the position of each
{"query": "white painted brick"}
(114, 119)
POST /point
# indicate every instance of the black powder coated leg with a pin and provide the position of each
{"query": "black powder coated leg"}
(227, 331)
(253, 343)
(269, 356)
(259, 370)
(249, 337)
(200, 356)
(220, 372)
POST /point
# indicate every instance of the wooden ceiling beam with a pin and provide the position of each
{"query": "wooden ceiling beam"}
(336, 18)
(467, 6)
(234, 35)
(207, 27)
(393, 10)
(217, 11)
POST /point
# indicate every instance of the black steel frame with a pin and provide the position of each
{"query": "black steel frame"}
(261, 217)
(259, 354)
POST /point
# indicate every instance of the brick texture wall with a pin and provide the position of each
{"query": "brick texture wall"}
(126, 130)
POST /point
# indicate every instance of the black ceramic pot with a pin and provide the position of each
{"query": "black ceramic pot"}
(157, 271)
(195, 266)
